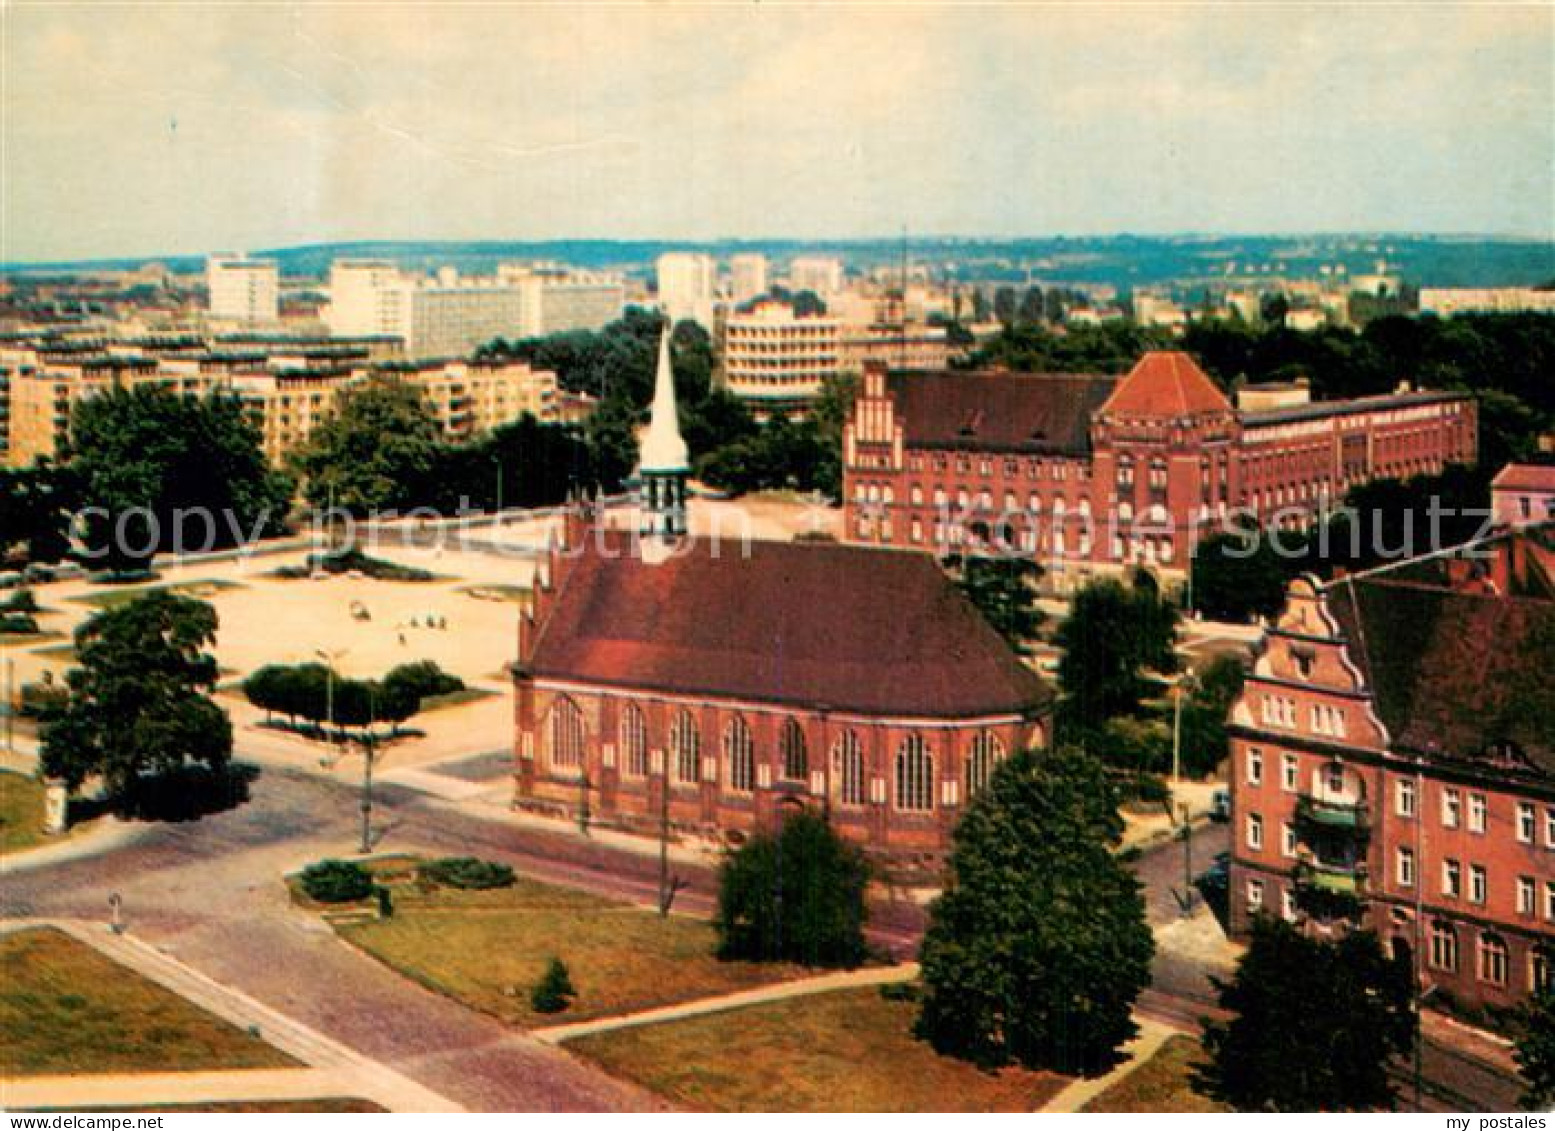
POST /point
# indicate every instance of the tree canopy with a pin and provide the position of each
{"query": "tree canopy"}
(139, 700)
(377, 450)
(1313, 1023)
(794, 895)
(1534, 1050)
(1114, 633)
(194, 467)
(1038, 947)
(1002, 589)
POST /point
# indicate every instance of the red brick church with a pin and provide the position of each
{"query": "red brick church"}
(1088, 473)
(667, 677)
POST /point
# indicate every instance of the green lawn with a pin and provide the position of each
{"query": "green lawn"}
(21, 812)
(455, 699)
(846, 1051)
(64, 1008)
(112, 598)
(1162, 1083)
(489, 948)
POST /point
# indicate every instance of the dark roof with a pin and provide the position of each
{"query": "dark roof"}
(813, 624)
(1316, 410)
(1454, 674)
(999, 412)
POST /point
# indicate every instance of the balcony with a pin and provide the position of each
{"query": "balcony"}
(1328, 890)
(1334, 816)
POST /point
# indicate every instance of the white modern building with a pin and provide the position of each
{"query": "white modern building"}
(367, 298)
(242, 289)
(778, 361)
(1447, 301)
(747, 277)
(818, 273)
(558, 299)
(686, 282)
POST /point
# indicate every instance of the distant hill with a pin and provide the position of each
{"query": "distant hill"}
(1122, 261)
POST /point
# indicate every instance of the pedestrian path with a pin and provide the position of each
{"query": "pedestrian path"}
(1152, 1035)
(824, 983)
(160, 1089)
(357, 1075)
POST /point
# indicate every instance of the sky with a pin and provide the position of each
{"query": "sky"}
(184, 129)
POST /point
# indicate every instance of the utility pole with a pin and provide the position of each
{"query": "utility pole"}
(367, 775)
(664, 841)
(8, 705)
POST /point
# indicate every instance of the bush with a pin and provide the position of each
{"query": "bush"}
(18, 624)
(553, 993)
(22, 601)
(469, 873)
(422, 680)
(336, 881)
(900, 991)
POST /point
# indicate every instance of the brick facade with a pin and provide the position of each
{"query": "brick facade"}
(1439, 839)
(1088, 474)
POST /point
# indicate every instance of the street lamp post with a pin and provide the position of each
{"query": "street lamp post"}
(368, 751)
(330, 658)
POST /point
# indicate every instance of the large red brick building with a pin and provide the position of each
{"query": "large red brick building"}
(665, 678)
(1393, 764)
(1089, 473)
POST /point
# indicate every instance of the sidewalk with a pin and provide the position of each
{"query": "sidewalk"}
(825, 983)
(159, 1089)
(353, 1074)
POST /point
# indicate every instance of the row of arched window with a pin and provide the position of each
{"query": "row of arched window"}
(914, 763)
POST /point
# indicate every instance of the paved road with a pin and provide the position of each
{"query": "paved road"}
(208, 892)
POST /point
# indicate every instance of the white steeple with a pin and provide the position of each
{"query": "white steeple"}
(663, 448)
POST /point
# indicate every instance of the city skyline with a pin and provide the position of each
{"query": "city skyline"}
(220, 128)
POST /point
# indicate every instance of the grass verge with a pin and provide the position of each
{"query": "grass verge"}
(64, 1008)
(1162, 1083)
(851, 1050)
(489, 948)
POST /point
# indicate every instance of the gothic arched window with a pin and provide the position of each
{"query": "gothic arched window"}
(686, 748)
(914, 775)
(739, 757)
(634, 741)
(848, 757)
(566, 734)
(796, 759)
(986, 753)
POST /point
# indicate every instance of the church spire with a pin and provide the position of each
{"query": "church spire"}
(664, 461)
(663, 449)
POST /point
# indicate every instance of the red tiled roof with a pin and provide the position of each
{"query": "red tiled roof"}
(1166, 383)
(814, 624)
(1525, 477)
(1004, 412)
(1454, 673)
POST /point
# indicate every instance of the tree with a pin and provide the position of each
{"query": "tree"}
(377, 450)
(1313, 1023)
(1534, 1050)
(140, 700)
(795, 895)
(1031, 306)
(1205, 743)
(553, 992)
(159, 471)
(1004, 305)
(1238, 575)
(1039, 945)
(1001, 588)
(1112, 635)
(35, 507)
